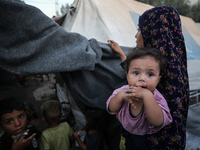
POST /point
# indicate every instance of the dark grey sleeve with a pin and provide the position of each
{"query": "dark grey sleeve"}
(31, 43)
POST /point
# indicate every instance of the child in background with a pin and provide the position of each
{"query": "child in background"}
(95, 123)
(139, 106)
(13, 120)
(32, 114)
(59, 136)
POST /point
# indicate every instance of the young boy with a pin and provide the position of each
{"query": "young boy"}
(140, 107)
(59, 136)
(13, 120)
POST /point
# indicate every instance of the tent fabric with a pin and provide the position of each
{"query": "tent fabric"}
(34, 44)
(118, 19)
(107, 74)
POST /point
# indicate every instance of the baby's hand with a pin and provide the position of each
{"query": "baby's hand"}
(137, 93)
(125, 97)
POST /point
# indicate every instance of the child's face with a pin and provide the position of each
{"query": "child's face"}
(144, 72)
(14, 123)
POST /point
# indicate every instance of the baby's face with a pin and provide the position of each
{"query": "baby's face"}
(14, 123)
(144, 72)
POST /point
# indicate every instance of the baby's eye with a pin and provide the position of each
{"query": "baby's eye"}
(135, 73)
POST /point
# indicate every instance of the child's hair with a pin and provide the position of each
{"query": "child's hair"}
(51, 111)
(139, 52)
(95, 118)
(8, 105)
(31, 112)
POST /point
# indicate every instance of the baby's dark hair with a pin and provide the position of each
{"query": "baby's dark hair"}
(51, 111)
(95, 118)
(139, 52)
(8, 105)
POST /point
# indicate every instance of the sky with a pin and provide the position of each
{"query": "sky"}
(48, 6)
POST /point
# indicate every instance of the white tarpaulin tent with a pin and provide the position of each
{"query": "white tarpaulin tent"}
(117, 20)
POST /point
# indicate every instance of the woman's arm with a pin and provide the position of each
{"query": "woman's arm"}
(115, 46)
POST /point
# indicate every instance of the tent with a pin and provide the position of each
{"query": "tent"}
(118, 19)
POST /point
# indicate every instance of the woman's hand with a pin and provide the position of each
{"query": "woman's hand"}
(115, 46)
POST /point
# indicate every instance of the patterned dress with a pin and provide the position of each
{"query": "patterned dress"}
(161, 29)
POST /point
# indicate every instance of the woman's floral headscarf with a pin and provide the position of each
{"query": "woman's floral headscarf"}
(161, 29)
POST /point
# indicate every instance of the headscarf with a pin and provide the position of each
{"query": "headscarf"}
(161, 29)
